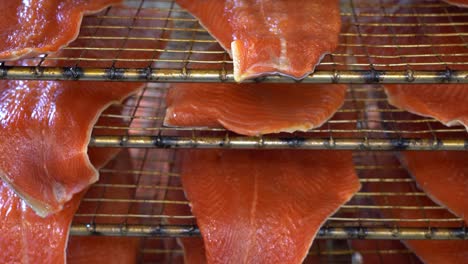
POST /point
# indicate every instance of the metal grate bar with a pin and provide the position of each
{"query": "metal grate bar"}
(278, 143)
(175, 75)
(323, 233)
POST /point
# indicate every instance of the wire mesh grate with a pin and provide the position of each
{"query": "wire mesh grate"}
(365, 121)
(388, 41)
(140, 194)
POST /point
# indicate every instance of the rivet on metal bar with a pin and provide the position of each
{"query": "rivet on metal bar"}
(148, 72)
(374, 76)
(447, 76)
(409, 76)
(73, 72)
(335, 76)
(3, 70)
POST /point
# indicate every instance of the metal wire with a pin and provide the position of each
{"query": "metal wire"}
(134, 198)
(389, 42)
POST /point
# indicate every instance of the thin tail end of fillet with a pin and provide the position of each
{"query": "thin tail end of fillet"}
(275, 60)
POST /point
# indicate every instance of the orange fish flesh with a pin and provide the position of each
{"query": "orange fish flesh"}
(260, 206)
(271, 37)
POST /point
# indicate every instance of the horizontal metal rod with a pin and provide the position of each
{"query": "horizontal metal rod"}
(278, 143)
(134, 230)
(184, 75)
(324, 232)
(392, 233)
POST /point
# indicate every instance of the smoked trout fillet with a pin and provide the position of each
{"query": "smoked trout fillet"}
(29, 238)
(444, 102)
(33, 27)
(46, 127)
(447, 103)
(271, 37)
(443, 175)
(261, 206)
(253, 109)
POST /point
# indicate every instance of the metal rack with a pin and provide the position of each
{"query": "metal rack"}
(154, 40)
(365, 122)
(135, 201)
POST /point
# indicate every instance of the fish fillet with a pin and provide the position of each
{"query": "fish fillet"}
(429, 251)
(443, 175)
(48, 124)
(28, 238)
(260, 206)
(33, 27)
(22, 230)
(48, 127)
(446, 103)
(253, 109)
(193, 247)
(271, 37)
